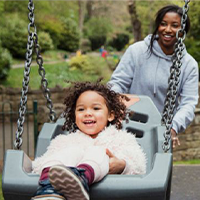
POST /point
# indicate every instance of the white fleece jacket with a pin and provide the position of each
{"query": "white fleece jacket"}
(121, 143)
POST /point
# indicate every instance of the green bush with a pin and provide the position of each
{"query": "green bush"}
(5, 63)
(70, 36)
(51, 25)
(14, 35)
(97, 41)
(193, 47)
(85, 45)
(82, 63)
(119, 41)
(97, 29)
(45, 41)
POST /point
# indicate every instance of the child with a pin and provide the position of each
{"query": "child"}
(95, 146)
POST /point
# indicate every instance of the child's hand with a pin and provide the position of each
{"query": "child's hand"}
(116, 166)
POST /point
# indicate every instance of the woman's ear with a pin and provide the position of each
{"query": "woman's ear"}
(111, 116)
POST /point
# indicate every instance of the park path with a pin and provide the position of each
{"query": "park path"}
(185, 182)
(20, 65)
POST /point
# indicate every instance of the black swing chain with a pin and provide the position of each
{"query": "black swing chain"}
(32, 41)
(173, 81)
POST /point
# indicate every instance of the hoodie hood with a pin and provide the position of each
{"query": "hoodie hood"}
(161, 55)
(157, 49)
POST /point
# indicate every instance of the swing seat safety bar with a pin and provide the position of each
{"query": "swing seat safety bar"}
(19, 183)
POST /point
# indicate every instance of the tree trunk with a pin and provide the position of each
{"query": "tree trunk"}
(81, 5)
(151, 23)
(136, 24)
(89, 8)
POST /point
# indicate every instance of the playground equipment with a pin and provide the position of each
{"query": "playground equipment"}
(18, 182)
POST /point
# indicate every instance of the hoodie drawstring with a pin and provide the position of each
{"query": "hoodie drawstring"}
(154, 85)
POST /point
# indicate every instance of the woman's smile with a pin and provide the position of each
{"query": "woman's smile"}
(167, 29)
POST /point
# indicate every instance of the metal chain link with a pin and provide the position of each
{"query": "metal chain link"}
(32, 42)
(173, 81)
(44, 82)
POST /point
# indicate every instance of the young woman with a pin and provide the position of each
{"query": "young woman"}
(145, 68)
(95, 147)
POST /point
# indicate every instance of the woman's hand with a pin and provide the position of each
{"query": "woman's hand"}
(174, 137)
(116, 166)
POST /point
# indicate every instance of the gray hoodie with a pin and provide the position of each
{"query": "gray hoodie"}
(143, 74)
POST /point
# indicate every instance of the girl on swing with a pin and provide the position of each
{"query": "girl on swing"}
(95, 146)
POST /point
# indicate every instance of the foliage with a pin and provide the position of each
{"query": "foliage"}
(65, 9)
(188, 162)
(85, 45)
(70, 36)
(14, 35)
(56, 74)
(17, 7)
(5, 63)
(193, 47)
(51, 25)
(101, 25)
(1, 194)
(97, 29)
(119, 41)
(54, 55)
(82, 63)
(1, 7)
(97, 41)
(194, 18)
(45, 41)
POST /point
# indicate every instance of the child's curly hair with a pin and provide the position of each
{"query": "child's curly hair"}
(113, 102)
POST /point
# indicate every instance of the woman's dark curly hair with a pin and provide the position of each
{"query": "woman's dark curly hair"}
(114, 103)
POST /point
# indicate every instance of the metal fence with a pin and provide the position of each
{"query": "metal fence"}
(8, 124)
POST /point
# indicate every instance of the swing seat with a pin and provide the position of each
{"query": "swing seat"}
(19, 183)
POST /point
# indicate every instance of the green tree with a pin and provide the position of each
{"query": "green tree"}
(70, 36)
(5, 62)
(14, 35)
(194, 9)
(19, 7)
(51, 25)
(97, 30)
(45, 41)
(2, 7)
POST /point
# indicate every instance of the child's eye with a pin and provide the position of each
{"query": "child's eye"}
(80, 109)
(97, 108)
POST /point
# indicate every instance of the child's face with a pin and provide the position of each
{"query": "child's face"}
(91, 113)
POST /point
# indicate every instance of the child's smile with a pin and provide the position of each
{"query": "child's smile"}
(89, 122)
(92, 114)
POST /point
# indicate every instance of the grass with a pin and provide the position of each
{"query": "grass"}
(188, 162)
(56, 74)
(50, 55)
(1, 195)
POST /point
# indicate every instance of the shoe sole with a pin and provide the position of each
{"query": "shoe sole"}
(67, 183)
(47, 197)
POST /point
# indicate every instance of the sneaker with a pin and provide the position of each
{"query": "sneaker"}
(46, 192)
(70, 181)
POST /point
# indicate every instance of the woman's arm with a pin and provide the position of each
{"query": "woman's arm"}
(121, 78)
(188, 99)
